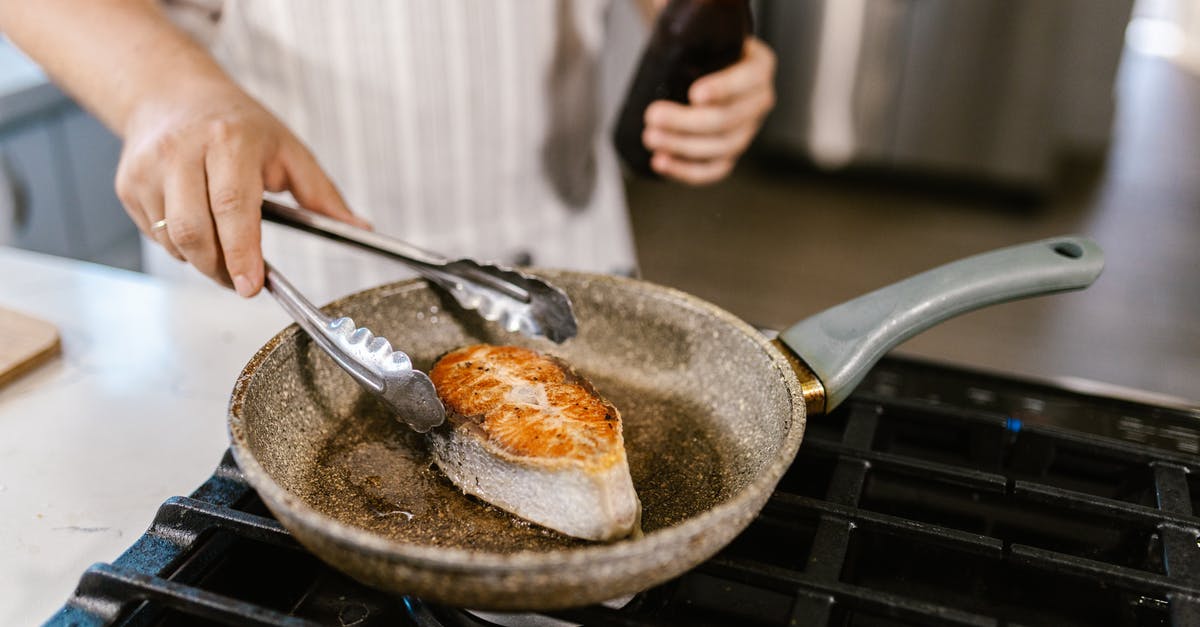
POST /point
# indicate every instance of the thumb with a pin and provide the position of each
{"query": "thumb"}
(312, 188)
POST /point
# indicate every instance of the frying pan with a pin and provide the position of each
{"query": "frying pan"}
(714, 413)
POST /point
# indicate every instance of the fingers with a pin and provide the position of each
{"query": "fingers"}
(234, 194)
(200, 166)
(209, 195)
(312, 188)
(189, 223)
(714, 118)
(698, 147)
(155, 230)
(144, 205)
(752, 73)
(691, 172)
(700, 142)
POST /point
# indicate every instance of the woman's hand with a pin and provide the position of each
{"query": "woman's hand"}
(699, 143)
(193, 171)
(198, 150)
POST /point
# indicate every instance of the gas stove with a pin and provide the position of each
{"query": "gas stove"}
(934, 495)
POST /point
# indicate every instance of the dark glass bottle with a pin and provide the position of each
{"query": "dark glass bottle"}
(691, 38)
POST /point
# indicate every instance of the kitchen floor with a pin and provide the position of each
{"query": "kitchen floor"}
(778, 242)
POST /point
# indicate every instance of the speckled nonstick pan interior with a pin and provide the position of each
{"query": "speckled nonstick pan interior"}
(711, 423)
(713, 415)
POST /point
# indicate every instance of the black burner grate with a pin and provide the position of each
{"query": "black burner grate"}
(934, 496)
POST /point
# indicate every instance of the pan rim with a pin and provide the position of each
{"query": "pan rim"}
(455, 559)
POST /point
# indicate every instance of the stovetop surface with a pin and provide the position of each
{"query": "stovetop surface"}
(933, 496)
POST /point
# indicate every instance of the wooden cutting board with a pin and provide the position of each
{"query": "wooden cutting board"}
(25, 342)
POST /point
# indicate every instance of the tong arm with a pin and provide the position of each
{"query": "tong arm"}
(430, 265)
(318, 224)
(367, 358)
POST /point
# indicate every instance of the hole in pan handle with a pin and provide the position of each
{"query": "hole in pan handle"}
(842, 343)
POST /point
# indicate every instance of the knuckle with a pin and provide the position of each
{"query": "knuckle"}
(166, 146)
(275, 178)
(718, 90)
(129, 176)
(651, 115)
(124, 168)
(186, 235)
(239, 256)
(649, 137)
(225, 202)
(769, 57)
(224, 129)
(126, 190)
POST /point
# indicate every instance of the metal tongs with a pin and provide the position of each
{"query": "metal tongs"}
(518, 301)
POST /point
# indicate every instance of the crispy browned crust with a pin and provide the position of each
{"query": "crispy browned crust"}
(528, 404)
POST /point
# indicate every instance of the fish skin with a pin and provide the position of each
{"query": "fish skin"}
(527, 434)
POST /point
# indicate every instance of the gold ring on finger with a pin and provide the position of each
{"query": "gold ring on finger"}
(158, 226)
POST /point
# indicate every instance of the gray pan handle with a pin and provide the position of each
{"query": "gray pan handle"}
(842, 343)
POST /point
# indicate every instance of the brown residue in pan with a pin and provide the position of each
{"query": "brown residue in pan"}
(374, 474)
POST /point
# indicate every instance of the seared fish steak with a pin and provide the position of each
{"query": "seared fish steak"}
(526, 433)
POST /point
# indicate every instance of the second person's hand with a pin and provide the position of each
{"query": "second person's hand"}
(699, 143)
(192, 175)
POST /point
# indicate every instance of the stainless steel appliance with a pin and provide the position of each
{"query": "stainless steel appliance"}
(992, 90)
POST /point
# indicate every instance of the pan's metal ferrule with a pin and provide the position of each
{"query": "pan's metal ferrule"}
(517, 301)
(810, 386)
(368, 358)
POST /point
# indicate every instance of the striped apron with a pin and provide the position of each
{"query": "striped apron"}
(467, 127)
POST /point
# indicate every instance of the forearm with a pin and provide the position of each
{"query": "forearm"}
(111, 55)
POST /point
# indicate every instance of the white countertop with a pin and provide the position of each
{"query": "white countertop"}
(131, 413)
